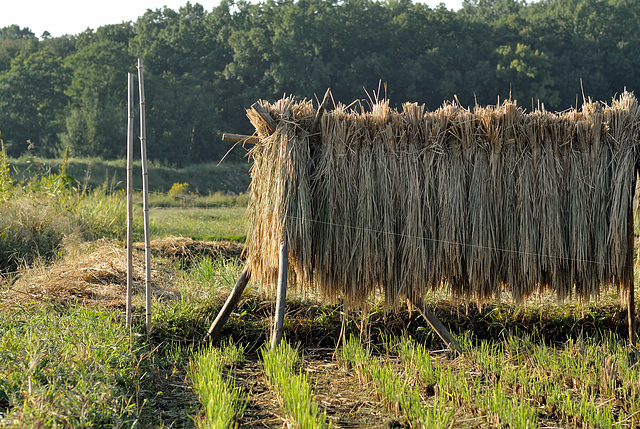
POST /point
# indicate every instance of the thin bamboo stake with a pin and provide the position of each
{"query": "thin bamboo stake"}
(276, 335)
(130, 120)
(145, 196)
(229, 305)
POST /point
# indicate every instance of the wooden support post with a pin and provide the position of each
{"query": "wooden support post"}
(229, 305)
(630, 280)
(436, 324)
(276, 335)
(271, 124)
(631, 314)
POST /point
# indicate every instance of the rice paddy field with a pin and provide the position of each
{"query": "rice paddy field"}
(67, 359)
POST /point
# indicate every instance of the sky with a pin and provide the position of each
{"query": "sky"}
(74, 16)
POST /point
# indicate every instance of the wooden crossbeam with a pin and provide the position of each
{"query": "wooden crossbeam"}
(240, 138)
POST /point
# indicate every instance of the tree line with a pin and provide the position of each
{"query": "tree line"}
(203, 68)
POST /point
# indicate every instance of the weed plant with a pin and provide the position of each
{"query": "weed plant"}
(397, 391)
(293, 389)
(223, 402)
(66, 368)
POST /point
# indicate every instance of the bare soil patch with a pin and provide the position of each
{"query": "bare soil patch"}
(348, 403)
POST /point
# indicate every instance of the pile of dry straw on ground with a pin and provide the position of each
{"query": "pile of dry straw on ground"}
(480, 202)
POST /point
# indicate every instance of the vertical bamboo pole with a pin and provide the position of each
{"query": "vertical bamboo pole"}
(145, 196)
(130, 119)
(276, 335)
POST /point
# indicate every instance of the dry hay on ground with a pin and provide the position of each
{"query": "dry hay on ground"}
(477, 201)
(96, 274)
(186, 250)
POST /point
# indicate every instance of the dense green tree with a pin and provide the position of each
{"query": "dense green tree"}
(179, 43)
(528, 73)
(96, 127)
(13, 40)
(96, 115)
(185, 56)
(203, 68)
(32, 102)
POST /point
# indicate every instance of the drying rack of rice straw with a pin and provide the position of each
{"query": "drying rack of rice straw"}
(481, 202)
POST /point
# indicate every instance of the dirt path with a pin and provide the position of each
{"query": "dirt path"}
(347, 402)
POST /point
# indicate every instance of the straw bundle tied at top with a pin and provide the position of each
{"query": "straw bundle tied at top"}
(478, 202)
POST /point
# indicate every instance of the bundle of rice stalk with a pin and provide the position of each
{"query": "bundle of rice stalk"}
(527, 233)
(452, 191)
(622, 116)
(476, 202)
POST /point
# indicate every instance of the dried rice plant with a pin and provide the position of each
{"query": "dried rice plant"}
(94, 275)
(478, 202)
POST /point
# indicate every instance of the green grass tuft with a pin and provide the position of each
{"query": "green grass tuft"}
(66, 368)
(223, 402)
(294, 389)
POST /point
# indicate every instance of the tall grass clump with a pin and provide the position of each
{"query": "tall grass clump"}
(293, 389)
(36, 215)
(6, 182)
(29, 227)
(102, 213)
(223, 402)
(213, 273)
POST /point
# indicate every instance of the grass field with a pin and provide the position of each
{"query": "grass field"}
(208, 224)
(203, 179)
(68, 361)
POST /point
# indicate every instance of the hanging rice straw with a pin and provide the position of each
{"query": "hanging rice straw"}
(478, 202)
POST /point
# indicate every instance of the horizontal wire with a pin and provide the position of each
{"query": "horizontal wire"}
(478, 246)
